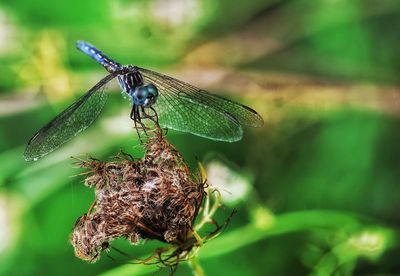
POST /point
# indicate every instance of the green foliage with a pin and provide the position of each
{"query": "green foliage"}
(323, 172)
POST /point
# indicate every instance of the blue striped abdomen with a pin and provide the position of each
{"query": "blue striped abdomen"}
(110, 65)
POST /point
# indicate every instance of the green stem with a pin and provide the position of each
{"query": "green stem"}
(196, 267)
(208, 214)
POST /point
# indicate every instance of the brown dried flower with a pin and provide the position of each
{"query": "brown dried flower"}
(149, 198)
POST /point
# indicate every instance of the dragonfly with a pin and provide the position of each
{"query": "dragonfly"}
(174, 104)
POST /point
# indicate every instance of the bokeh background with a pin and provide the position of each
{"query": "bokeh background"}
(317, 188)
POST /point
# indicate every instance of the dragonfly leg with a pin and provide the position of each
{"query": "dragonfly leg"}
(145, 116)
(135, 116)
(152, 117)
(133, 113)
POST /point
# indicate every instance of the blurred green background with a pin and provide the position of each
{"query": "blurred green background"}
(317, 188)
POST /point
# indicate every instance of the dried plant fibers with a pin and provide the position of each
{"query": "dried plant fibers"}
(149, 198)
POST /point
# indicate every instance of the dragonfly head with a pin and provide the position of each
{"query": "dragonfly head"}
(144, 95)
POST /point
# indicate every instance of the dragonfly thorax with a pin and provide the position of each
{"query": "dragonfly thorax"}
(130, 81)
(145, 95)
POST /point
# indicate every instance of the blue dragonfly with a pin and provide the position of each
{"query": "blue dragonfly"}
(172, 103)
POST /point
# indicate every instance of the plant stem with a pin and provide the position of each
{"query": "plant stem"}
(196, 267)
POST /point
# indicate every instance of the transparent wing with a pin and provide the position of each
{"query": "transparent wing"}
(183, 107)
(68, 123)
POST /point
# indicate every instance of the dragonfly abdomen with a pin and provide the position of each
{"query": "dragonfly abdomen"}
(109, 64)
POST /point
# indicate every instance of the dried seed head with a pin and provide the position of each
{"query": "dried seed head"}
(150, 198)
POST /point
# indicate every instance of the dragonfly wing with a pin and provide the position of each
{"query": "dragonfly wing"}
(68, 123)
(243, 114)
(183, 107)
(178, 110)
(183, 114)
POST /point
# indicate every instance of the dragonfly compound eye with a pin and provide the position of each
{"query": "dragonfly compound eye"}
(152, 94)
(152, 89)
(139, 95)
